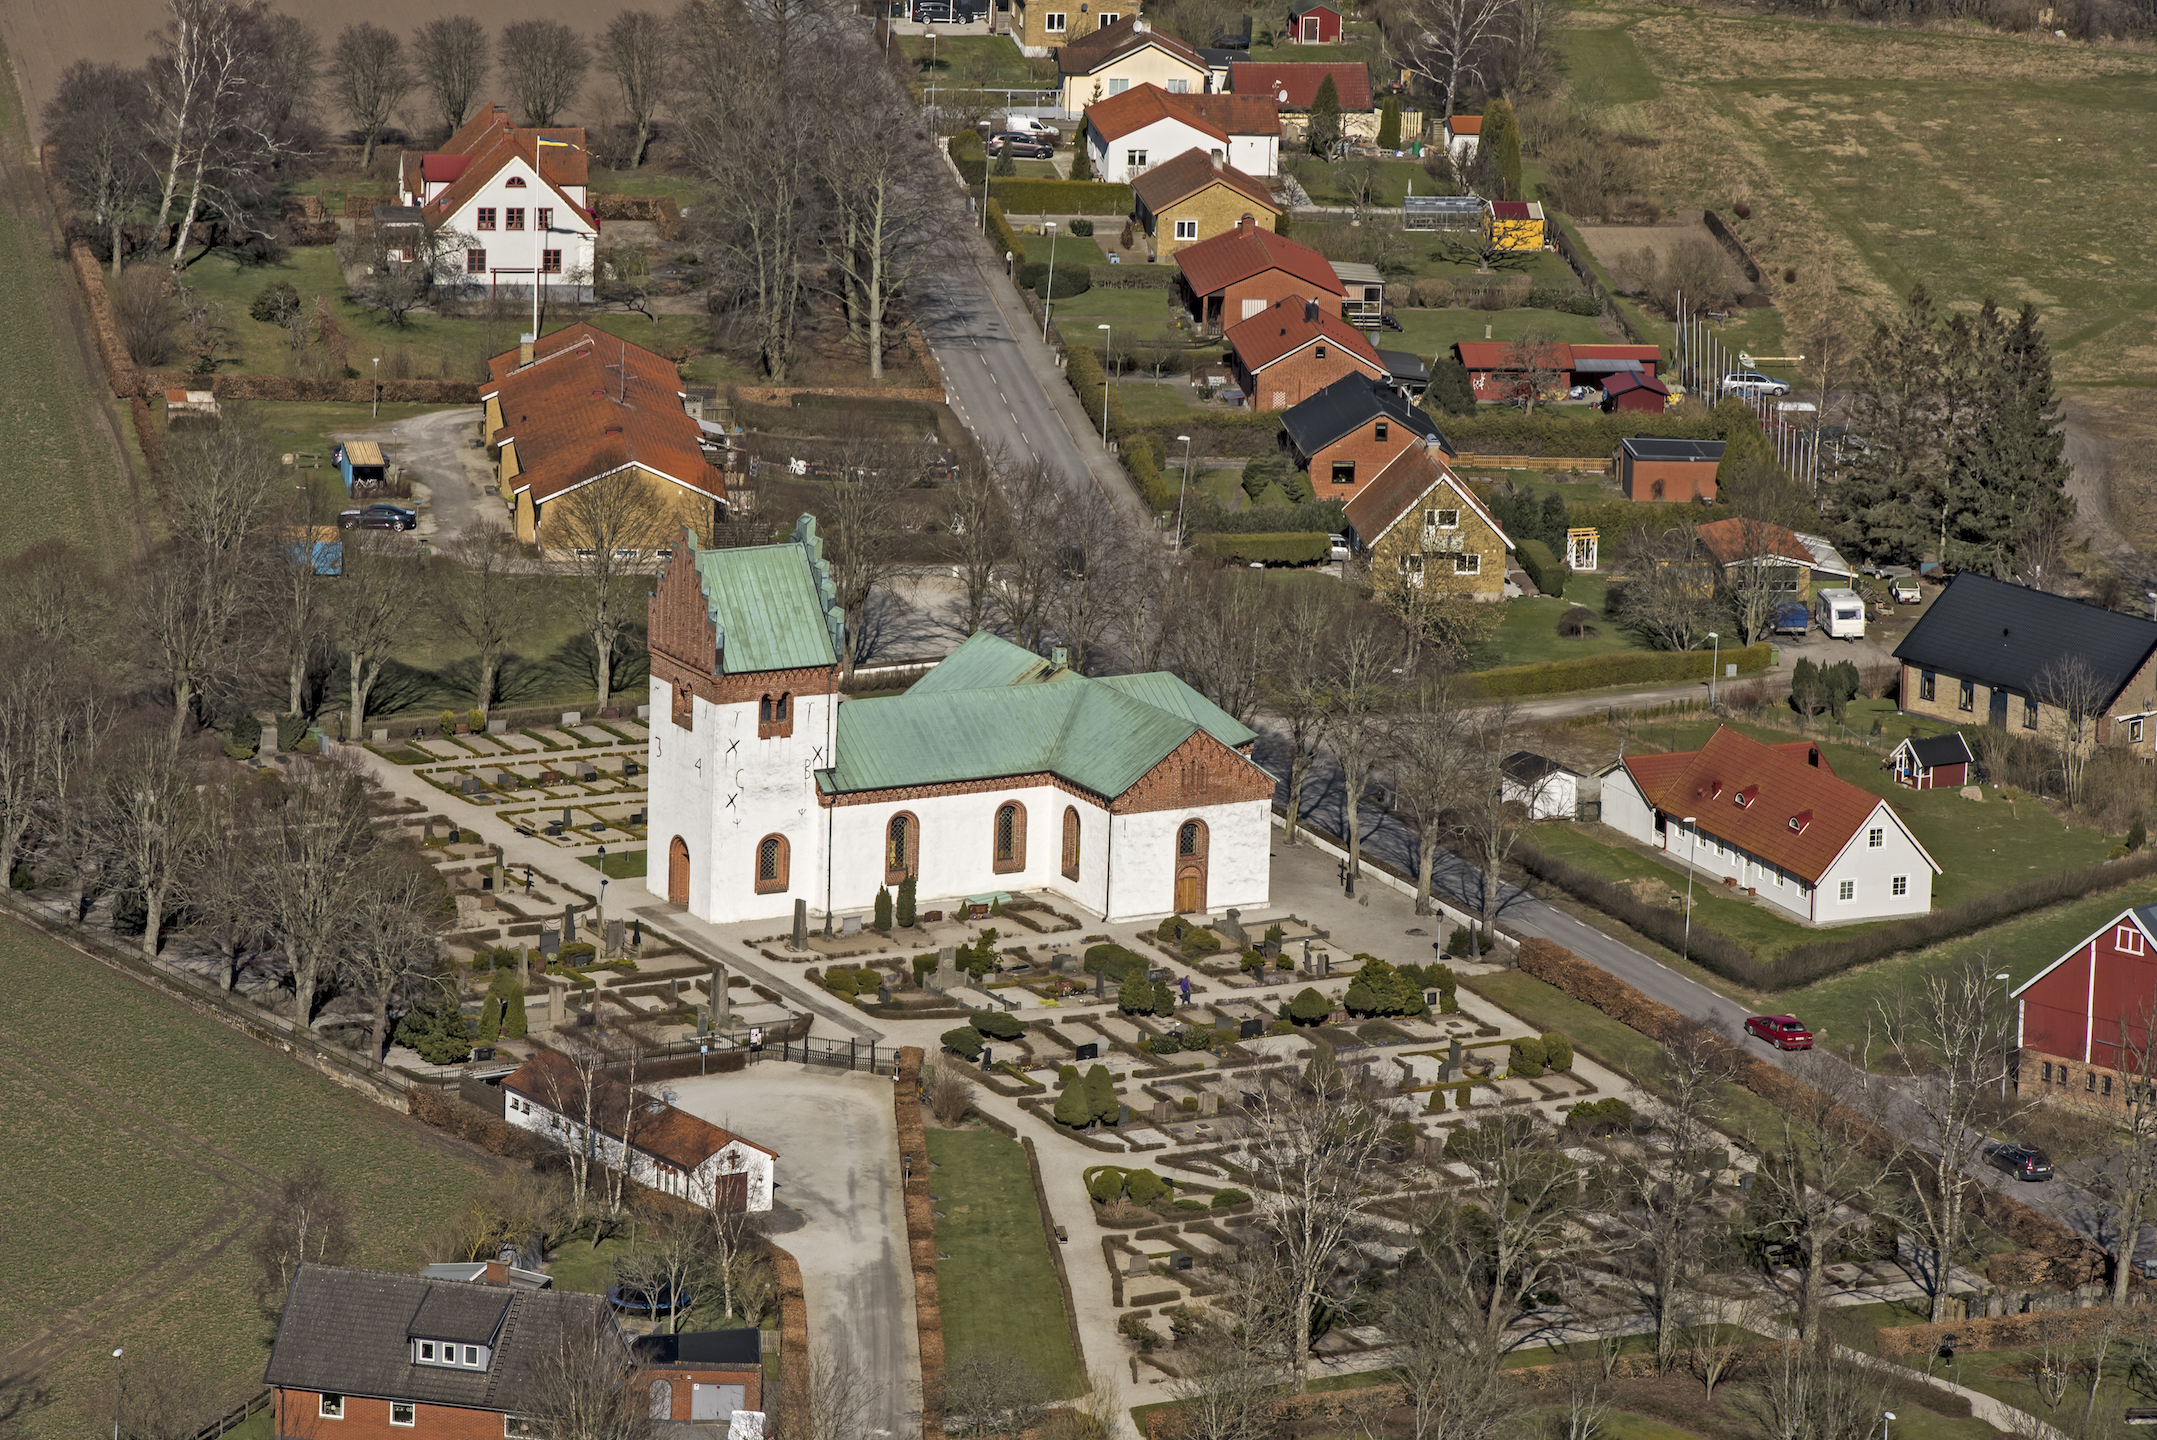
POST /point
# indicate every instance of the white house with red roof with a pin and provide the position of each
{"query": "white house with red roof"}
(519, 196)
(1463, 133)
(1131, 133)
(1776, 822)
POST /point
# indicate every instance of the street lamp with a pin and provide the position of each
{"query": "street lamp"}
(377, 412)
(1885, 1416)
(2007, 1044)
(116, 1394)
(1107, 342)
(1180, 493)
(985, 186)
(1715, 666)
(1692, 848)
(1048, 303)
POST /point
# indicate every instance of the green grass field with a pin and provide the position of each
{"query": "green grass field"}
(63, 477)
(1430, 333)
(990, 61)
(149, 1138)
(998, 1289)
(1070, 249)
(1145, 400)
(1101, 304)
(618, 865)
(1529, 633)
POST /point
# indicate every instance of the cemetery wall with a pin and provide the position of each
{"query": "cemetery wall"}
(921, 1240)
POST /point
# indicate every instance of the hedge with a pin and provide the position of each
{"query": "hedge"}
(1147, 476)
(1505, 431)
(1542, 567)
(1059, 197)
(1007, 237)
(1596, 672)
(1071, 280)
(1202, 516)
(1135, 277)
(1082, 367)
(1291, 547)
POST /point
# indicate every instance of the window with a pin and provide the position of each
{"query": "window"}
(426, 1350)
(1344, 472)
(1175, 87)
(902, 848)
(1319, 353)
(1105, 19)
(1445, 519)
(1847, 890)
(330, 1407)
(1967, 698)
(514, 182)
(2048, 1072)
(1875, 838)
(486, 217)
(2127, 940)
(660, 1400)
(2134, 730)
(1188, 840)
(1054, 23)
(685, 699)
(1927, 683)
(1900, 885)
(774, 716)
(1186, 229)
(1071, 843)
(771, 860)
(513, 218)
(2029, 716)
(1134, 159)
(403, 1412)
(550, 262)
(1380, 432)
(2089, 1079)
(524, 1427)
(543, 218)
(2106, 1087)
(1117, 87)
(1009, 853)
(1468, 562)
(1412, 567)
(475, 262)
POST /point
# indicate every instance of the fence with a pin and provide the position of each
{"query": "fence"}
(1583, 272)
(715, 1053)
(231, 1419)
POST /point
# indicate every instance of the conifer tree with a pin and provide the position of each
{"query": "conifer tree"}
(1501, 142)
(1324, 131)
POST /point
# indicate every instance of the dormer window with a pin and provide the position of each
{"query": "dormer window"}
(1799, 821)
(1746, 796)
(451, 1354)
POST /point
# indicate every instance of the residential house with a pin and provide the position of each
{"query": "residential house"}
(1776, 822)
(1294, 349)
(1422, 534)
(1463, 133)
(1363, 294)
(1252, 124)
(668, 1149)
(581, 407)
(1651, 468)
(1800, 563)
(1232, 277)
(768, 787)
(1294, 84)
(1496, 367)
(1516, 224)
(488, 1272)
(520, 198)
(1546, 789)
(1123, 56)
(1935, 762)
(1041, 27)
(2024, 660)
(1138, 129)
(1314, 25)
(1195, 197)
(1347, 434)
(1408, 373)
(2082, 1024)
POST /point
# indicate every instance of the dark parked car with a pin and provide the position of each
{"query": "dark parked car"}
(1782, 1031)
(1024, 147)
(2024, 1162)
(378, 517)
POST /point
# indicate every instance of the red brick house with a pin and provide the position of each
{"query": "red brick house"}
(2081, 1020)
(1353, 431)
(1652, 468)
(1314, 25)
(1230, 278)
(1294, 349)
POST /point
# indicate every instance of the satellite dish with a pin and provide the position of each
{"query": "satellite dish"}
(670, 1096)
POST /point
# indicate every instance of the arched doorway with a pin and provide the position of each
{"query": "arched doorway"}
(678, 871)
(1190, 867)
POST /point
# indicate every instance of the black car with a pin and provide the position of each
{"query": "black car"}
(378, 517)
(2024, 1162)
(1024, 147)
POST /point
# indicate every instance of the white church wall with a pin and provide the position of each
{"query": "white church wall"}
(1238, 859)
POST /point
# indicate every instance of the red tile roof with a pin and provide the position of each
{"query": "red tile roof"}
(484, 147)
(1400, 488)
(1737, 539)
(1286, 326)
(1191, 172)
(1800, 815)
(569, 337)
(1514, 209)
(1144, 105)
(1126, 37)
(1236, 114)
(594, 407)
(1213, 265)
(1299, 80)
(659, 1129)
(1465, 124)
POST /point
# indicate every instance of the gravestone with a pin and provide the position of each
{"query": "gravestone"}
(637, 818)
(1452, 1060)
(1163, 1112)
(486, 881)
(567, 819)
(497, 727)
(720, 1006)
(616, 933)
(988, 1061)
(1325, 963)
(1138, 1266)
(850, 925)
(1181, 1260)
(587, 771)
(1231, 929)
(630, 769)
(427, 833)
(497, 857)
(883, 994)
(572, 717)
(268, 739)
(508, 780)
(644, 712)
(1209, 1102)
(381, 737)
(1271, 949)
(550, 943)
(1100, 984)
(569, 924)
(557, 998)
(947, 969)
(1123, 1114)
(1250, 1029)
(1091, 1050)
(800, 938)
(472, 785)
(674, 993)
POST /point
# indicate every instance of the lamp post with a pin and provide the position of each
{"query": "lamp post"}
(1180, 493)
(2007, 1042)
(1692, 848)
(1107, 340)
(1048, 302)
(376, 413)
(116, 1394)
(1715, 666)
(985, 187)
(1885, 1416)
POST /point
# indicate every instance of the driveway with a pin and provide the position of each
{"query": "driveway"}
(452, 484)
(838, 1171)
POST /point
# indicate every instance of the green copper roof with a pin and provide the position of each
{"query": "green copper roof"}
(773, 604)
(993, 709)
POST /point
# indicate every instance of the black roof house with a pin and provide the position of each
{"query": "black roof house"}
(1348, 404)
(360, 1332)
(2006, 636)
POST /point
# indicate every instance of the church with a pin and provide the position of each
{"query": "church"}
(999, 771)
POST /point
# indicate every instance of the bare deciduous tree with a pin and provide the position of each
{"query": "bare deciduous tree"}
(883, 229)
(1449, 1390)
(636, 54)
(371, 79)
(307, 1222)
(543, 62)
(1667, 592)
(1666, 1192)
(1428, 753)
(187, 603)
(587, 1385)
(1021, 583)
(608, 528)
(453, 65)
(97, 121)
(2129, 1181)
(317, 842)
(1230, 624)
(370, 604)
(2076, 691)
(1488, 814)
(1091, 571)
(1295, 683)
(1229, 1374)
(392, 938)
(150, 821)
(991, 1390)
(481, 580)
(1449, 42)
(1355, 694)
(978, 535)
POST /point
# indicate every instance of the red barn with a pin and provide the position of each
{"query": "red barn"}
(2082, 1019)
(1937, 762)
(1318, 25)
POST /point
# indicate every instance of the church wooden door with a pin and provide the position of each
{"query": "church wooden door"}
(678, 872)
(1187, 900)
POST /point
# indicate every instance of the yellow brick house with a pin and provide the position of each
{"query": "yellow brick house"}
(1196, 196)
(1422, 535)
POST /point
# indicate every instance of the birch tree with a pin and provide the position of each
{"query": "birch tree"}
(1450, 43)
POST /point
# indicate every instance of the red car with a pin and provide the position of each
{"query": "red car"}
(1782, 1031)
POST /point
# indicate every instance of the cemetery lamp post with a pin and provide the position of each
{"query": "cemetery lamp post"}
(1692, 848)
(1181, 493)
(1885, 1416)
(1107, 342)
(1048, 301)
(1715, 666)
(376, 413)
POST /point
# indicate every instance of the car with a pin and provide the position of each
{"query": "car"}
(1024, 147)
(1336, 547)
(1028, 125)
(1752, 382)
(2024, 1162)
(1905, 590)
(1784, 1032)
(378, 517)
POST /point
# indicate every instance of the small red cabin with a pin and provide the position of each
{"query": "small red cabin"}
(1319, 25)
(1937, 762)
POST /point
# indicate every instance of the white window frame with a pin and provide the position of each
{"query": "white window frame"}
(330, 1407)
(1052, 23)
(1468, 562)
(1134, 160)
(1900, 886)
(411, 1413)
(1186, 229)
(2127, 940)
(1175, 86)
(1118, 87)
(1845, 892)
(1876, 837)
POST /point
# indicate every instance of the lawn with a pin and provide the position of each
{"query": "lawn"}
(618, 864)
(158, 1135)
(998, 1287)
(1529, 633)
(1070, 250)
(1145, 400)
(1396, 178)
(1431, 333)
(990, 61)
(1127, 335)
(1104, 304)
(64, 474)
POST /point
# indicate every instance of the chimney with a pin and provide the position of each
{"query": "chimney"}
(1486, 332)
(1218, 159)
(497, 1273)
(1060, 658)
(1812, 757)
(524, 348)
(1244, 226)
(1310, 311)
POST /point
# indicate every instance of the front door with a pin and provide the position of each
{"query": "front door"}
(1310, 29)
(1187, 898)
(1999, 709)
(678, 871)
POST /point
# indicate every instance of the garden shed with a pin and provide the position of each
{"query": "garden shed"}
(1314, 25)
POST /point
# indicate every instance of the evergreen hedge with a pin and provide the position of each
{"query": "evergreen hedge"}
(1505, 431)
(1284, 548)
(1595, 672)
(1542, 567)
(1059, 197)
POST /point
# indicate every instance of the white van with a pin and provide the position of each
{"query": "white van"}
(1841, 613)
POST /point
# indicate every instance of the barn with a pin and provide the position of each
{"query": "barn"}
(2082, 1023)
(1937, 762)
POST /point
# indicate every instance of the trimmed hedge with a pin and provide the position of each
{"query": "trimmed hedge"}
(1071, 280)
(1505, 431)
(1595, 672)
(1281, 548)
(1000, 227)
(1542, 567)
(1132, 277)
(1082, 367)
(1059, 197)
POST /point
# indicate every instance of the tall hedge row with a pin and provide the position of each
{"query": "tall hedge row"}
(1059, 197)
(1504, 431)
(1593, 672)
(1542, 567)
(1281, 548)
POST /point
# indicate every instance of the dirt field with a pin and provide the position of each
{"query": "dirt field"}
(44, 37)
(1611, 245)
